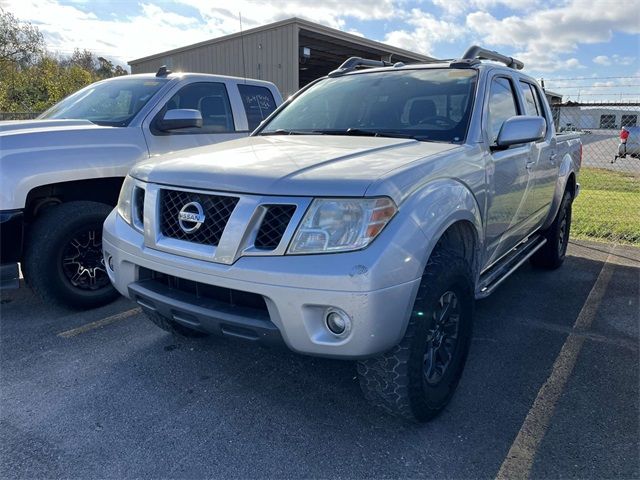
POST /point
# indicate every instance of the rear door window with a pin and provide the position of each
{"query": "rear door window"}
(529, 100)
(540, 104)
(258, 103)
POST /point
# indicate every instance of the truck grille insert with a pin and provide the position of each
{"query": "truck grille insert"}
(273, 225)
(197, 290)
(216, 210)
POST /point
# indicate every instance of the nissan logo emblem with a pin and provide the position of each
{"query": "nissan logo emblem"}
(191, 217)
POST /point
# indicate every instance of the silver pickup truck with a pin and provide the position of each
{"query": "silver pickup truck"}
(360, 221)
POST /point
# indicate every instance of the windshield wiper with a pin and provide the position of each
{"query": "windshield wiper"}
(359, 132)
(356, 132)
(282, 131)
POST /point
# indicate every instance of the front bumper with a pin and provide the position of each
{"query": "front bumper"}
(298, 291)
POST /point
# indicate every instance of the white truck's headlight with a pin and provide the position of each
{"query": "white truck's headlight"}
(341, 224)
(125, 200)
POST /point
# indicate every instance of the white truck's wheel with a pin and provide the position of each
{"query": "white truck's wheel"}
(63, 260)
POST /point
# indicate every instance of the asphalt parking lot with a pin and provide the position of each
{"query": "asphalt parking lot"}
(551, 389)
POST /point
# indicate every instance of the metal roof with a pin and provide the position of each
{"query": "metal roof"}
(305, 25)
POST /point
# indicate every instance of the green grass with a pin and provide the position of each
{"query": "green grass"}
(608, 207)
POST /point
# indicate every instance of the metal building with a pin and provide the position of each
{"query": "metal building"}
(598, 116)
(289, 53)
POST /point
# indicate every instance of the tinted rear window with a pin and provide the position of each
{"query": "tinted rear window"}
(258, 103)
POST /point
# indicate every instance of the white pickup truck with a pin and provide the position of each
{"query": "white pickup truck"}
(61, 173)
(360, 221)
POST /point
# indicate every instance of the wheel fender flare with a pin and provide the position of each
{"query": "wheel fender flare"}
(440, 204)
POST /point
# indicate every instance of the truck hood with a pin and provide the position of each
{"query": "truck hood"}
(42, 152)
(42, 136)
(73, 141)
(295, 165)
(8, 127)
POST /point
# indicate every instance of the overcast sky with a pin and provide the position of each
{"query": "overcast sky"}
(556, 40)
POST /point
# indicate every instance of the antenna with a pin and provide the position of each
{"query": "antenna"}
(163, 71)
(244, 66)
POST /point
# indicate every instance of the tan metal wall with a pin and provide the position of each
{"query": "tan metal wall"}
(269, 55)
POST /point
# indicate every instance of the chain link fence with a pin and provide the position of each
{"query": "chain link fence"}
(608, 207)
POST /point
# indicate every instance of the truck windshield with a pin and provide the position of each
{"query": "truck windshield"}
(427, 104)
(111, 103)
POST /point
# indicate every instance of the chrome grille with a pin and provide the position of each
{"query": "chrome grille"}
(273, 225)
(217, 210)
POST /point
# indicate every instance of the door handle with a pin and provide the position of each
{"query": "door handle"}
(528, 165)
(553, 157)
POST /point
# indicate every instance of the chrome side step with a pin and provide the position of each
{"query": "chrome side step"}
(492, 278)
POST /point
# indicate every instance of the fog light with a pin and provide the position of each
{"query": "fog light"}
(110, 262)
(338, 322)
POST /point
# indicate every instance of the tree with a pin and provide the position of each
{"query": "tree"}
(32, 79)
(99, 67)
(81, 58)
(20, 43)
(107, 69)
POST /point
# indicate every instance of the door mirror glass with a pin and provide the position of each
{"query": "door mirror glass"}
(181, 118)
(521, 129)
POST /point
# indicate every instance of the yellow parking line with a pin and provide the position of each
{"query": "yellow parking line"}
(519, 460)
(100, 323)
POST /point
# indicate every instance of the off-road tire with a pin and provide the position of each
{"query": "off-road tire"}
(395, 381)
(552, 254)
(47, 239)
(173, 327)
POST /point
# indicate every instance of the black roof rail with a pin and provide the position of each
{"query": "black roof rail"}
(474, 54)
(354, 62)
(163, 71)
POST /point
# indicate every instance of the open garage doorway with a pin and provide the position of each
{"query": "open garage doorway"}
(319, 54)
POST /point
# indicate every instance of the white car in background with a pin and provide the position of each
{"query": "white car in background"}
(62, 172)
(629, 143)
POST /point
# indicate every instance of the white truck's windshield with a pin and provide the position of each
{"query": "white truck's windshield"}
(427, 104)
(112, 103)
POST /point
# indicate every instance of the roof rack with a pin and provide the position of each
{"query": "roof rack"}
(474, 54)
(354, 62)
(163, 71)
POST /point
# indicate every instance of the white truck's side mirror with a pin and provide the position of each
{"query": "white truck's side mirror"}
(181, 118)
(521, 129)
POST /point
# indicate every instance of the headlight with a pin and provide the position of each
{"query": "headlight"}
(125, 199)
(341, 224)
